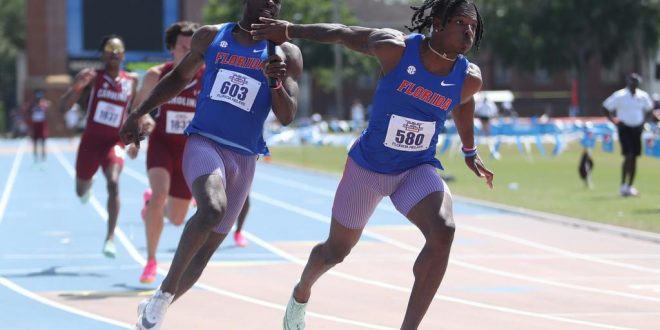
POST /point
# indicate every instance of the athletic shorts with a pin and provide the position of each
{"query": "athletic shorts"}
(168, 156)
(97, 151)
(630, 139)
(202, 156)
(360, 191)
(39, 131)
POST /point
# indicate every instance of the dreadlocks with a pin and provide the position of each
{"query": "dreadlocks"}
(443, 9)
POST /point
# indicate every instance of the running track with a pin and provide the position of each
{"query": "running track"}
(508, 270)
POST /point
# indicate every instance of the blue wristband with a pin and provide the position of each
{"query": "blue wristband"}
(469, 153)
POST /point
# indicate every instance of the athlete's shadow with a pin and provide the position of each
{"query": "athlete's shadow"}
(53, 271)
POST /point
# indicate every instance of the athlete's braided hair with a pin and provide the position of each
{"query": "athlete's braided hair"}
(443, 9)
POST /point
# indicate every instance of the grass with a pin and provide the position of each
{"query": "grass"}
(549, 184)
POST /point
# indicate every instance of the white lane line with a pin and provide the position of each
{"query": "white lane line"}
(325, 219)
(517, 240)
(142, 261)
(20, 290)
(406, 290)
(11, 179)
(31, 295)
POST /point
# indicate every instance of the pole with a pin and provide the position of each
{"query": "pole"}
(339, 88)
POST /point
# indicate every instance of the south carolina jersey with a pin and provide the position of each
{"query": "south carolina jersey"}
(235, 97)
(108, 104)
(174, 116)
(410, 106)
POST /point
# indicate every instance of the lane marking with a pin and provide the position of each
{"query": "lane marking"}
(486, 232)
(31, 295)
(142, 261)
(11, 179)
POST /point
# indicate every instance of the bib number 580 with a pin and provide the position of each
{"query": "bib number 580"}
(409, 138)
(234, 90)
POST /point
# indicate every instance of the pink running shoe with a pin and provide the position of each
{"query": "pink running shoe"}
(149, 273)
(240, 240)
(146, 196)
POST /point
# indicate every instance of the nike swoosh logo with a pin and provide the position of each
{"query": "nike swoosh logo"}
(258, 50)
(443, 84)
(146, 324)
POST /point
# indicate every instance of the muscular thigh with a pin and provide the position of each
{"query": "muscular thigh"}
(357, 196)
(418, 183)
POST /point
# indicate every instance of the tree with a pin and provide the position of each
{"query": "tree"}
(12, 40)
(554, 34)
(318, 58)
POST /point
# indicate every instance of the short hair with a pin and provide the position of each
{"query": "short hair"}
(107, 38)
(443, 9)
(183, 28)
(636, 76)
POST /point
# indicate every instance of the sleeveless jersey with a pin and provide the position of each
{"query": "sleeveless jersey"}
(235, 98)
(410, 106)
(108, 104)
(174, 116)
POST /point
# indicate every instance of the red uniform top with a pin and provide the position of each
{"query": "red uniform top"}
(108, 104)
(175, 115)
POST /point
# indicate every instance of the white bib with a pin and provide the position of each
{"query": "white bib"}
(407, 134)
(108, 114)
(177, 121)
(235, 88)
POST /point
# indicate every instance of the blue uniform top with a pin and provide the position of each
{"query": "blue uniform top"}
(235, 98)
(410, 107)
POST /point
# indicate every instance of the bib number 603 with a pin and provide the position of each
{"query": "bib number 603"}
(234, 90)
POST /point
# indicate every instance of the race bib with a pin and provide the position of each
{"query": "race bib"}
(407, 134)
(235, 88)
(177, 121)
(108, 114)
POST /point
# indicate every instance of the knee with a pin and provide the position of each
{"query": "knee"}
(441, 237)
(333, 254)
(209, 215)
(113, 188)
(158, 199)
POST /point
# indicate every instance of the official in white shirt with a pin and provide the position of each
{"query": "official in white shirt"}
(628, 109)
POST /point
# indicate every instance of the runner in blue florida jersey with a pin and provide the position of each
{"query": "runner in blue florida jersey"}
(224, 136)
(424, 78)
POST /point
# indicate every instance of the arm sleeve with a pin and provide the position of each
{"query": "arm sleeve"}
(610, 103)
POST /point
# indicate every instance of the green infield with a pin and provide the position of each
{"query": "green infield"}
(548, 184)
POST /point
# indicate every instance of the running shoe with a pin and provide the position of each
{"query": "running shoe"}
(294, 317)
(624, 190)
(146, 196)
(151, 312)
(632, 191)
(240, 240)
(149, 273)
(109, 249)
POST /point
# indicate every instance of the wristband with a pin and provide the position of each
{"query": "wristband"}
(286, 32)
(469, 152)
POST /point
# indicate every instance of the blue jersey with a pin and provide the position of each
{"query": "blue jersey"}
(235, 98)
(409, 110)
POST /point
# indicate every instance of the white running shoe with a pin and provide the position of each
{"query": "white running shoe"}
(624, 190)
(294, 317)
(151, 312)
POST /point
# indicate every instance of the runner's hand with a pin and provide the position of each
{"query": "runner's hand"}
(130, 132)
(271, 29)
(132, 151)
(274, 67)
(83, 78)
(477, 166)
